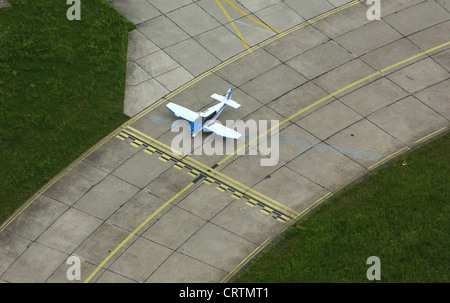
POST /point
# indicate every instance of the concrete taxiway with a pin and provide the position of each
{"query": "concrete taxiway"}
(349, 94)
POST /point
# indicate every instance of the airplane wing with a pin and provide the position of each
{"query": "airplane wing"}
(182, 112)
(221, 130)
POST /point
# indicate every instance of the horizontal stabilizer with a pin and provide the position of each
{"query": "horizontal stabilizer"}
(229, 102)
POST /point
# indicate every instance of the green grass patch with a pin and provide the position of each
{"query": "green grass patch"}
(399, 213)
(61, 89)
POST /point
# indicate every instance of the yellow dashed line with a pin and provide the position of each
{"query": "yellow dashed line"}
(179, 165)
(283, 218)
(237, 195)
(164, 158)
(224, 179)
(266, 210)
(208, 181)
(251, 202)
(222, 188)
(193, 173)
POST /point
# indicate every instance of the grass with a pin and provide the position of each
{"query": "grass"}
(400, 214)
(61, 89)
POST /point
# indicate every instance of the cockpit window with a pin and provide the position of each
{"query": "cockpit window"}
(204, 119)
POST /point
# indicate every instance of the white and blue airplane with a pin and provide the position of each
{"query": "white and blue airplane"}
(206, 120)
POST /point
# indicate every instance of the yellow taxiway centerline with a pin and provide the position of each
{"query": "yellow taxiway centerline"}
(136, 230)
(334, 94)
(251, 18)
(232, 23)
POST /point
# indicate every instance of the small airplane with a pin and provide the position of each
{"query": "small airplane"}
(206, 120)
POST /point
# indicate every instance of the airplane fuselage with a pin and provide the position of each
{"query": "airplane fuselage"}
(206, 120)
(207, 117)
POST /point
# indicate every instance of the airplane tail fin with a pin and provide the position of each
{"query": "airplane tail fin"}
(228, 95)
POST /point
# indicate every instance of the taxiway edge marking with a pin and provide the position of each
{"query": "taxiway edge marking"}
(211, 172)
